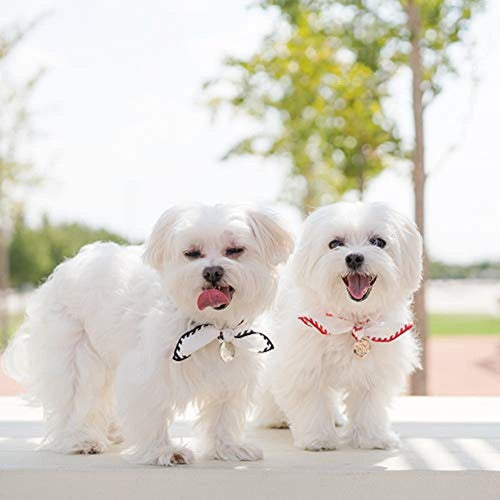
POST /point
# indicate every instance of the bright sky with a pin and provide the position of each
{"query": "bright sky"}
(122, 133)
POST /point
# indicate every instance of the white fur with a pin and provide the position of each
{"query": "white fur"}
(106, 319)
(309, 370)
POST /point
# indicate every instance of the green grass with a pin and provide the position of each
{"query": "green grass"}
(440, 324)
(464, 324)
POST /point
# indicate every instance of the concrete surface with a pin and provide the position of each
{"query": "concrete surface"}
(451, 449)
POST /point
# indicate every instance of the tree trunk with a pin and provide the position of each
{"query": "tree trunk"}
(361, 185)
(419, 379)
(4, 286)
(309, 199)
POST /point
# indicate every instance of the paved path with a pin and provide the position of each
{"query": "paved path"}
(464, 365)
(450, 450)
(8, 387)
(458, 366)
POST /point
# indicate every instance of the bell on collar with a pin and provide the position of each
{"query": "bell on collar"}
(227, 351)
(361, 348)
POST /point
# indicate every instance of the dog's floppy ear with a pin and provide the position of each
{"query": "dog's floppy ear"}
(274, 239)
(158, 241)
(411, 247)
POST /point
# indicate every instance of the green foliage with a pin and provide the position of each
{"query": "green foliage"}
(316, 87)
(13, 323)
(321, 110)
(380, 28)
(15, 116)
(35, 252)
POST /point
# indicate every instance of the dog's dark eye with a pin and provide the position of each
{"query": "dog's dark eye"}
(336, 243)
(234, 251)
(193, 254)
(378, 242)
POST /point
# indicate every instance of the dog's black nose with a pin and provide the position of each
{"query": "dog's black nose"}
(354, 260)
(213, 274)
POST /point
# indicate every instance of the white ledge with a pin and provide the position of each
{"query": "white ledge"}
(450, 449)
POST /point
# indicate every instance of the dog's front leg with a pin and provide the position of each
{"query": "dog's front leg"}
(155, 447)
(222, 420)
(147, 408)
(369, 424)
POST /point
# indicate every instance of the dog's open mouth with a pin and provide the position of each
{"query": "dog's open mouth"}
(215, 296)
(359, 286)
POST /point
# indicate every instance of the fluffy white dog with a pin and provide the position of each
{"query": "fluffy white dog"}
(162, 325)
(343, 325)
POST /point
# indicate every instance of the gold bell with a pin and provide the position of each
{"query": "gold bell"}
(361, 348)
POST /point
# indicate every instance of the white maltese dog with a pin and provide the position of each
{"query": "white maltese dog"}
(343, 326)
(159, 325)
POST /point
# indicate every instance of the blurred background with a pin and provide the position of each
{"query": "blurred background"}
(112, 111)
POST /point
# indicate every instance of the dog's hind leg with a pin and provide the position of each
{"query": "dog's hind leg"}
(307, 405)
(269, 414)
(67, 377)
(77, 417)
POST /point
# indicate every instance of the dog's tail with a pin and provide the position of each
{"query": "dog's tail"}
(25, 359)
(17, 363)
(17, 360)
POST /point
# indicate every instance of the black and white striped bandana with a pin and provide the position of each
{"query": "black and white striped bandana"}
(202, 335)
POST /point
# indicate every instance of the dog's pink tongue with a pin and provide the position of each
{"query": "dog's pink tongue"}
(211, 298)
(357, 285)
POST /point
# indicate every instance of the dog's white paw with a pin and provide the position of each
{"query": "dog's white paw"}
(175, 456)
(318, 443)
(237, 451)
(88, 448)
(76, 443)
(384, 441)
